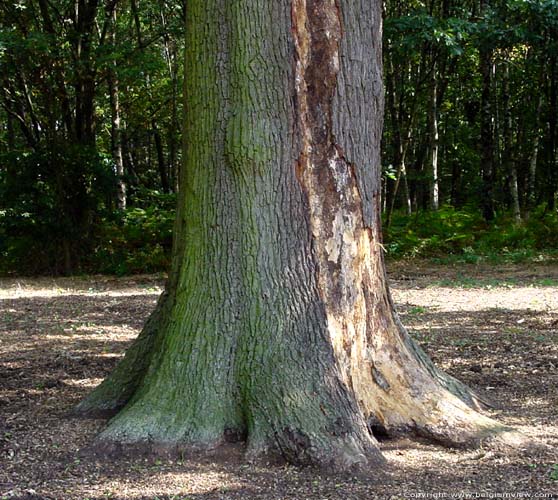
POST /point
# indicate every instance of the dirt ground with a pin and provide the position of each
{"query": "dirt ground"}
(494, 328)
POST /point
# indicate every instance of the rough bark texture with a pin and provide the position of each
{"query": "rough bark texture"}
(277, 326)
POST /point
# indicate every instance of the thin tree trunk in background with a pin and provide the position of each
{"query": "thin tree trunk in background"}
(533, 158)
(392, 187)
(35, 126)
(401, 176)
(173, 143)
(456, 185)
(408, 204)
(174, 126)
(510, 164)
(10, 132)
(137, 23)
(59, 77)
(487, 133)
(116, 131)
(434, 139)
(399, 147)
(553, 132)
(17, 112)
(163, 172)
(129, 159)
(84, 85)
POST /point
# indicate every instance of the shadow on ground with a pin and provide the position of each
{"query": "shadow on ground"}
(55, 345)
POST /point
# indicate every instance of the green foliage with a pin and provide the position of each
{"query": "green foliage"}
(43, 214)
(137, 240)
(50, 198)
(432, 233)
(450, 235)
(85, 88)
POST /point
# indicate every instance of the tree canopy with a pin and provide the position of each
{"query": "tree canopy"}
(90, 130)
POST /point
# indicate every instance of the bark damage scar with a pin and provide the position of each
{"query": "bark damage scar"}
(345, 247)
(341, 241)
(390, 382)
(317, 33)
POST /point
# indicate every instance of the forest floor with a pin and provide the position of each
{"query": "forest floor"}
(495, 328)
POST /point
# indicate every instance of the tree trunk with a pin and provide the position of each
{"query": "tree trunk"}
(116, 131)
(487, 136)
(173, 129)
(399, 146)
(84, 86)
(163, 174)
(487, 127)
(10, 134)
(553, 132)
(533, 158)
(277, 326)
(508, 158)
(434, 138)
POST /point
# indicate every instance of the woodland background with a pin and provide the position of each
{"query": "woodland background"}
(90, 132)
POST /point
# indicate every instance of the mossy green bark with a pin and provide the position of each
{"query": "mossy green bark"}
(240, 346)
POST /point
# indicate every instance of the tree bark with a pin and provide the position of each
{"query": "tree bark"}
(434, 138)
(277, 326)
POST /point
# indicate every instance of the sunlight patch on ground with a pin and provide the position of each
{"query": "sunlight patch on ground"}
(460, 299)
(19, 293)
(83, 383)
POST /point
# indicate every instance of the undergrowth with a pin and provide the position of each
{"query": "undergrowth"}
(450, 236)
(139, 239)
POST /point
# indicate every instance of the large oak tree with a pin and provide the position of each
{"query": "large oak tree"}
(277, 326)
